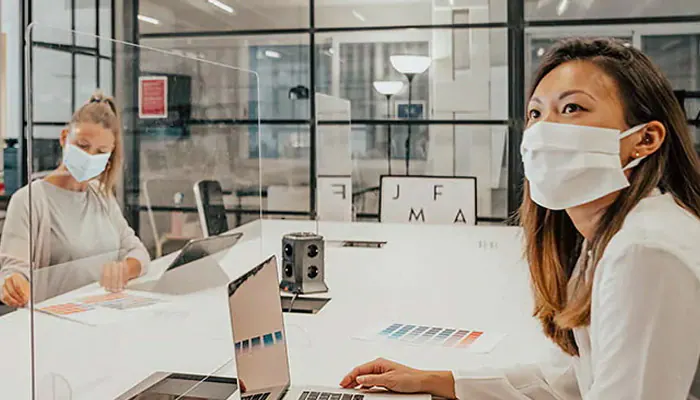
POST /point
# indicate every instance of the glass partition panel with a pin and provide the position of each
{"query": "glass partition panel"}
(280, 60)
(105, 253)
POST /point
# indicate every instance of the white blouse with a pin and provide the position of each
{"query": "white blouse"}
(643, 342)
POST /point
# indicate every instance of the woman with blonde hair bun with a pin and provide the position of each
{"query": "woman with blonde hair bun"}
(76, 222)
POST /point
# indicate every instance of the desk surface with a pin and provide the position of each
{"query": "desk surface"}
(464, 277)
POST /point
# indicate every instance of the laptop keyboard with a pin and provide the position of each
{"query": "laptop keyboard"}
(311, 396)
(329, 396)
(259, 396)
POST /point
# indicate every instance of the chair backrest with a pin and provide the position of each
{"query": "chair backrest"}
(167, 192)
(210, 206)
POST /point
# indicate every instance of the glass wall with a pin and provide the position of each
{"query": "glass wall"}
(452, 122)
(459, 118)
(79, 67)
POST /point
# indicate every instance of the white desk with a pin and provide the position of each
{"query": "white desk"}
(425, 274)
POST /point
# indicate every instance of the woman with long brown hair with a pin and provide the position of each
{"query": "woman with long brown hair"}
(611, 221)
(76, 225)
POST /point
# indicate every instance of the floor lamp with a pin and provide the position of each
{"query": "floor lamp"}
(410, 66)
(388, 89)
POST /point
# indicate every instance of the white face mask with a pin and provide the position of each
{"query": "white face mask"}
(569, 165)
(81, 165)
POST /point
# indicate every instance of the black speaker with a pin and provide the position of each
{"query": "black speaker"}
(303, 263)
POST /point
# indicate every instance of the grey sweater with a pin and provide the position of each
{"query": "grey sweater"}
(74, 234)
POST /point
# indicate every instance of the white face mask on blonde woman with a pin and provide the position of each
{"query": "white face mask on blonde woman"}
(82, 165)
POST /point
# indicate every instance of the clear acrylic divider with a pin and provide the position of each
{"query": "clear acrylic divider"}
(101, 318)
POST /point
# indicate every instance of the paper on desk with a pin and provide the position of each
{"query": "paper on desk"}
(100, 307)
(471, 340)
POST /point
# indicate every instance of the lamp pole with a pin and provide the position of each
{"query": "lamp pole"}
(410, 66)
(407, 146)
(388, 133)
(388, 89)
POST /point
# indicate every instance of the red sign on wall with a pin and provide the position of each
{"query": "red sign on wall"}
(153, 97)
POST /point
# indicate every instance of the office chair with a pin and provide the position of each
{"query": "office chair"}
(169, 229)
(210, 207)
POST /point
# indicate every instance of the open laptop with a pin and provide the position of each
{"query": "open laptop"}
(196, 249)
(260, 344)
(196, 267)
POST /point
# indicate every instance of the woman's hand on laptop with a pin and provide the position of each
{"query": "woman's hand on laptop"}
(400, 378)
(15, 291)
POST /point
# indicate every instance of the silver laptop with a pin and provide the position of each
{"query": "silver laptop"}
(260, 343)
(196, 267)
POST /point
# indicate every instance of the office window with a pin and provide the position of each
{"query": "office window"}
(332, 13)
(68, 68)
(538, 44)
(458, 118)
(679, 58)
(363, 63)
(194, 16)
(590, 9)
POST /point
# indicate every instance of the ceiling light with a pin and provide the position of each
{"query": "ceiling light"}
(452, 3)
(410, 64)
(540, 52)
(359, 16)
(562, 7)
(148, 19)
(388, 88)
(272, 54)
(222, 6)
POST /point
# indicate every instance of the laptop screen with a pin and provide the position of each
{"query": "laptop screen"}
(258, 328)
(199, 248)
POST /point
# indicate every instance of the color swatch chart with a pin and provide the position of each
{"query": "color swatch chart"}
(111, 307)
(119, 301)
(433, 336)
(115, 301)
(267, 340)
(65, 309)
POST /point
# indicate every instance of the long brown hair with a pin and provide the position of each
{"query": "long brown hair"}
(102, 110)
(552, 243)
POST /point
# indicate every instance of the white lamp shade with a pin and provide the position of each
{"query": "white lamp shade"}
(410, 64)
(388, 88)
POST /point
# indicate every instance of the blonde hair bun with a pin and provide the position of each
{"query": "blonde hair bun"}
(97, 96)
